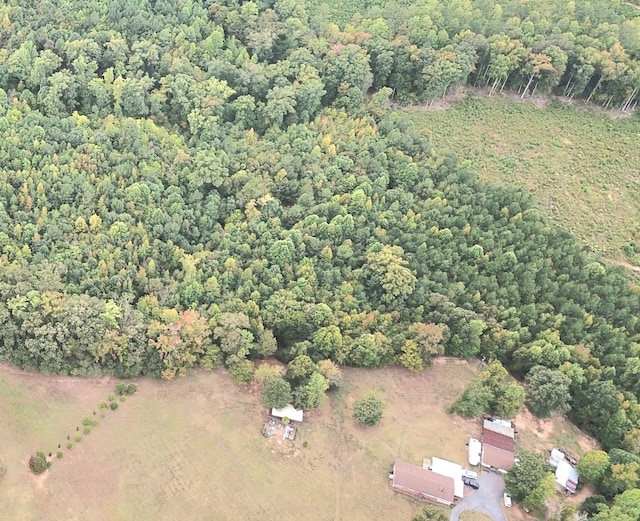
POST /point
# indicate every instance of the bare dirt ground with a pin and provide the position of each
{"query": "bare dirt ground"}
(461, 92)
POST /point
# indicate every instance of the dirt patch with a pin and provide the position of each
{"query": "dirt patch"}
(446, 102)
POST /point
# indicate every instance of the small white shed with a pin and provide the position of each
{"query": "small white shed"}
(288, 411)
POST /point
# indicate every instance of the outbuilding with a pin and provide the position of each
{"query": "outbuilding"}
(289, 411)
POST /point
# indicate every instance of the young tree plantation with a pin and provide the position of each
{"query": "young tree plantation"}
(196, 183)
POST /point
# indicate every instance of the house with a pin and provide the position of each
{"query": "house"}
(289, 411)
(422, 483)
(498, 444)
(566, 474)
(451, 470)
(475, 451)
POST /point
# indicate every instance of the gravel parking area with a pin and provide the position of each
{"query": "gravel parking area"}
(487, 499)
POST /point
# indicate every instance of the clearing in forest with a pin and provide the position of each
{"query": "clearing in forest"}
(193, 448)
(582, 166)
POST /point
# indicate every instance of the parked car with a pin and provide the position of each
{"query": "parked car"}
(469, 474)
(473, 483)
(507, 500)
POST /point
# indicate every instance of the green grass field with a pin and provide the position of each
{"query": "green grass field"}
(582, 166)
(193, 449)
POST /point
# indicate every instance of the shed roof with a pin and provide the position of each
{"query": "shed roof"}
(414, 479)
(566, 476)
(498, 440)
(497, 458)
(289, 411)
(500, 426)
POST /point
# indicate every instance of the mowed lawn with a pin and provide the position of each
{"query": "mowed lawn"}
(582, 166)
(193, 449)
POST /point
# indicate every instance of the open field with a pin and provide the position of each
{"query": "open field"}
(192, 449)
(581, 165)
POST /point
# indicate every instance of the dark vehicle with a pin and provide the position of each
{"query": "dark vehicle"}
(473, 483)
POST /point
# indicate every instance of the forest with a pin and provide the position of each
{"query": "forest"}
(190, 183)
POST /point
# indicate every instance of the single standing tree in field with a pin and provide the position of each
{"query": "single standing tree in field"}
(548, 391)
(368, 410)
(38, 462)
(276, 392)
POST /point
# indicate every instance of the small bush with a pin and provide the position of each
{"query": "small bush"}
(59, 454)
(132, 388)
(123, 398)
(87, 430)
(103, 406)
(69, 445)
(112, 397)
(86, 421)
(368, 410)
(94, 423)
(121, 388)
(78, 438)
(38, 462)
(114, 406)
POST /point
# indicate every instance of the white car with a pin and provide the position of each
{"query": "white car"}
(507, 500)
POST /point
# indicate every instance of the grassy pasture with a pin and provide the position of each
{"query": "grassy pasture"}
(192, 449)
(582, 166)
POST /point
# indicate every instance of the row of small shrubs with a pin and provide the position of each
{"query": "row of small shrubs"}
(38, 462)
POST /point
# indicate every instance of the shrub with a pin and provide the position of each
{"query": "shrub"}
(368, 410)
(38, 462)
(59, 454)
(593, 504)
(132, 388)
(78, 438)
(430, 513)
(87, 430)
(3, 470)
(94, 423)
(121, 388)
(69, 445)
(86, 421)
(123, 398)
(114, 406)
(103, 406)
(112, 397)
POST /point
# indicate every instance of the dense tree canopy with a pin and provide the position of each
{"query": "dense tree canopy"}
(199, 183)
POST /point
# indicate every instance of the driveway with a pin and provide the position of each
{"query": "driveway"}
(487, 499)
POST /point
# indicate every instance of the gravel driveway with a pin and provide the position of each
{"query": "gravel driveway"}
(487, 499)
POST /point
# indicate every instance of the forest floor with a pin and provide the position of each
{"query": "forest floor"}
(580, 163)
(193, 449)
